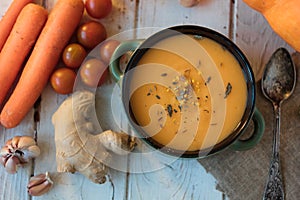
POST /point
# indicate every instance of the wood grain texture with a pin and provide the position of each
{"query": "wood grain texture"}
(160, 179)
(164, 13)
(181, 179)
(255, 37)
(177, 181)
(69, 186)
(14, 186)
(76, 186)
(4, 6)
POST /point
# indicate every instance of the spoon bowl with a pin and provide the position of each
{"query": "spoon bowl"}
(279, 77)
(278, 83)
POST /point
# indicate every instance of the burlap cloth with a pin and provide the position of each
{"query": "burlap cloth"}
(242, 175)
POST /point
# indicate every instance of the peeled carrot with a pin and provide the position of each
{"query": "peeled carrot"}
(8, 20)
(62, 22)
(22, 38)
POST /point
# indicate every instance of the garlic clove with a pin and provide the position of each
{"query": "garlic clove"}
(25, 141)
(37, 180)
(39, 185)
(31, 152)
(5, 151)
(11, 164)
(40, 189)
(2, 160)
(14, 141)
(8, 142)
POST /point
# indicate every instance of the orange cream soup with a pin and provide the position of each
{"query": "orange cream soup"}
(202, 100)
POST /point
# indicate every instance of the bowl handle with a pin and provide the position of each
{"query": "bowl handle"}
(259, 128)
(124, 47)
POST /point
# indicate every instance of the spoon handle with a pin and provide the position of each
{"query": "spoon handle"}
(274, 188)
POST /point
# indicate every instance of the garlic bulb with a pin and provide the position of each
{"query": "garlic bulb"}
(18, 151)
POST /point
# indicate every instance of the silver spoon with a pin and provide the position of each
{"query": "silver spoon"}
(278, 82)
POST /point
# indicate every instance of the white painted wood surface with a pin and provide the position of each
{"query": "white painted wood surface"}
(255, 37)
(182, 179)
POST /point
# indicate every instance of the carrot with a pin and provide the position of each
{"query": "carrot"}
(24, 34)
(62, 22)
(8, 20)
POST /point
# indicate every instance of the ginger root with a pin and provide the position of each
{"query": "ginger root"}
(81, 145)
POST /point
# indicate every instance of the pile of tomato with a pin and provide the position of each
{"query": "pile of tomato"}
(94, 71)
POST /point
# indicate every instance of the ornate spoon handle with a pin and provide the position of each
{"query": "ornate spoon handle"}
(274, 188)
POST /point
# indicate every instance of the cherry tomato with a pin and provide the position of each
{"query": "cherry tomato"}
(73, 55)
(107, 49)
(93, 72)
(90, 34)
(98, 8)
(62, 80)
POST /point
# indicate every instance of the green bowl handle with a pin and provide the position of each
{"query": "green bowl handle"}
(259, 128)
(124, 47)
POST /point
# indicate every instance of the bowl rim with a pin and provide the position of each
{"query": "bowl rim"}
(226, 43)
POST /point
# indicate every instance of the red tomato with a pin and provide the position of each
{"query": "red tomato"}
(73, 55)
(62, 80)
(98, 8)
(91, 34)
(93, 72)
(107, 49)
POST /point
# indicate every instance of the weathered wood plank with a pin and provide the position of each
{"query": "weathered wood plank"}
(75, 186)
(14, 186)
(68, 186)
(161, 179)
(255, 37)
(182, 179)
(4, 6)
(165, 13)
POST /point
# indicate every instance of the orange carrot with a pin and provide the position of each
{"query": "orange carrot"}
(24, 34)
(62, 22)
(8, 20)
